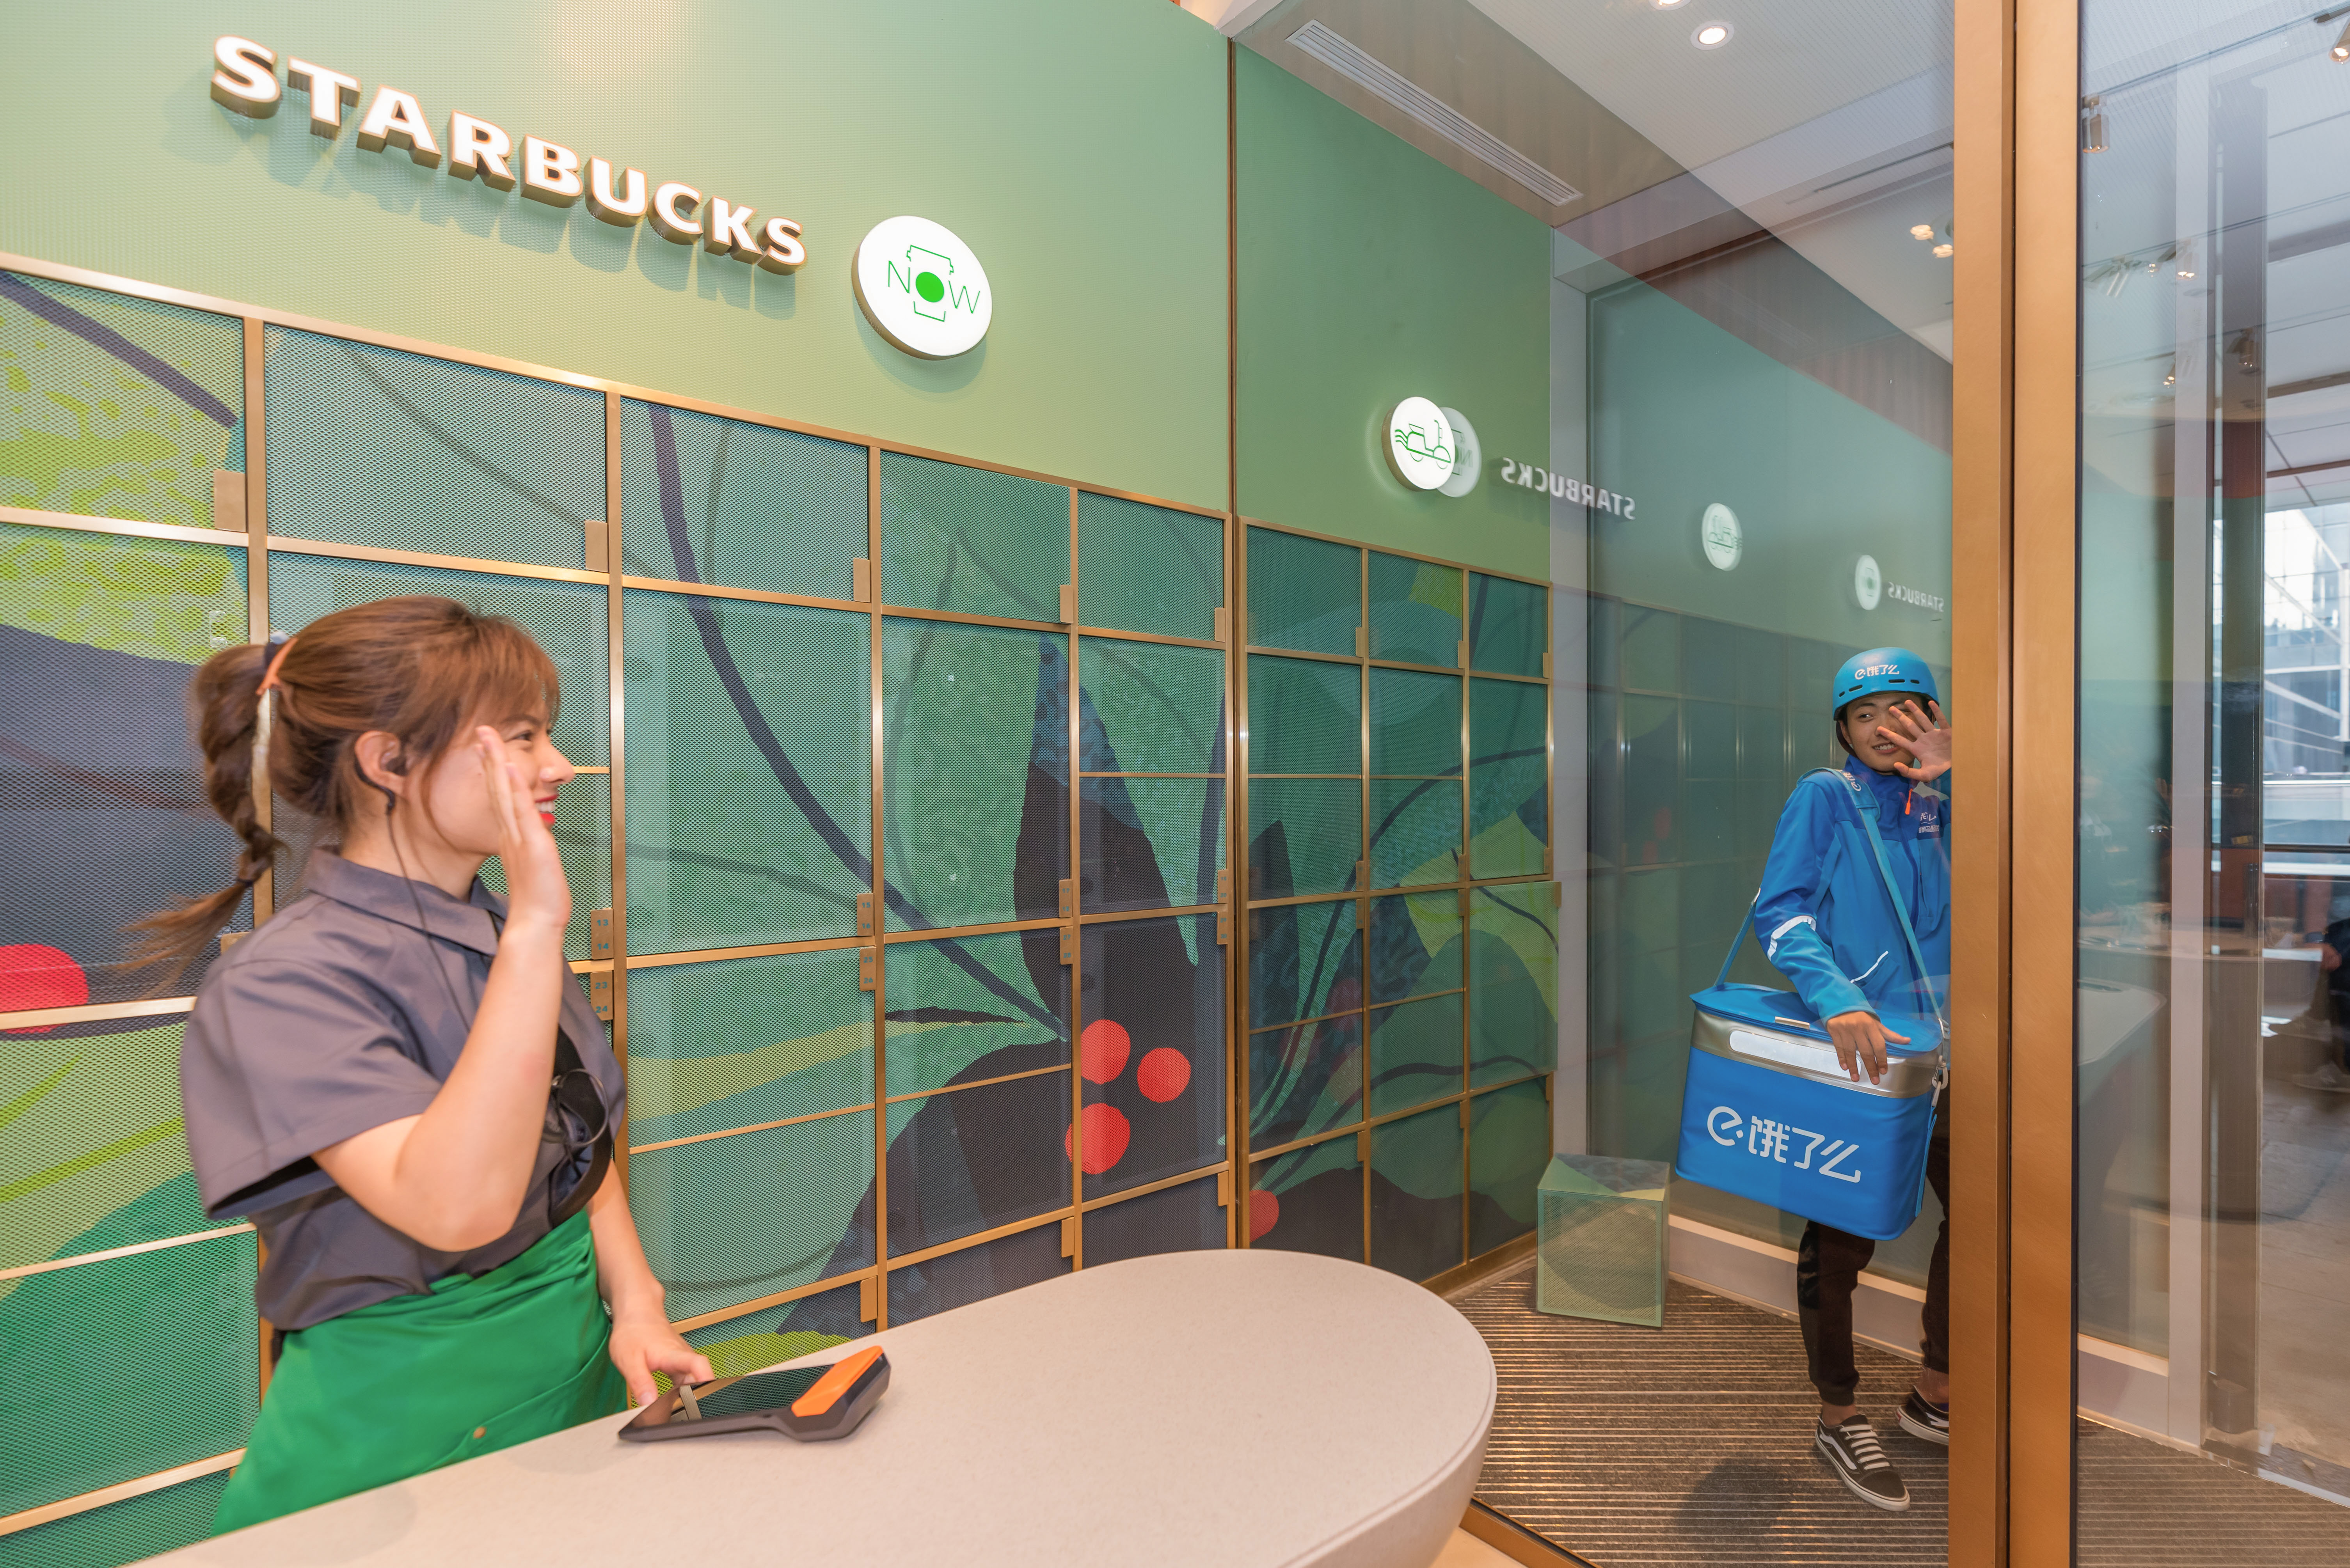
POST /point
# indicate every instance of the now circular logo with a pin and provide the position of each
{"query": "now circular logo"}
(922, 288)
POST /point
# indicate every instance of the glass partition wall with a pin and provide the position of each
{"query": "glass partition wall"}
(2212, 1155)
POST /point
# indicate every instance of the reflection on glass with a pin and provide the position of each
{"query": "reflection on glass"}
(2213, 1011)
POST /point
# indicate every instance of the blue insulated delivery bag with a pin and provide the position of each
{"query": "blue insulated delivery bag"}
(1768, 1113)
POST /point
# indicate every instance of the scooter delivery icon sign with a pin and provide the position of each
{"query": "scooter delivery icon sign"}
(922, 288)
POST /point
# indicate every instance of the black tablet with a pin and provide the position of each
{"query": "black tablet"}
(813, 1404)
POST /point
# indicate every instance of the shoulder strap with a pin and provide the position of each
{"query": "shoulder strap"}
(1893, 895)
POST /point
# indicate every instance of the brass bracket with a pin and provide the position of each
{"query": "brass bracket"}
(1461, 653)
(230, 939)
(1546, 665)
(1362, 642)
(228, 501)
(1068, 944)
(869, 1298)
(599, 993)
(1465, 1116)
(868, 968)
(1362, 1146)
(599, 549)
(860, 580)
(1224, 1188)
(1068, 898)
(599, 933)
(864, 914)
(1223, 928)
(1224, 624)
(1068, 603)
(1362, 877)
(1224, 886)
(1069, 1237)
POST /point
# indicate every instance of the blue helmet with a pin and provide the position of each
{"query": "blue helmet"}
(1883, 669)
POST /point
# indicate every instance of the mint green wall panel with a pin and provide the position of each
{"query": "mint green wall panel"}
(1078, 149)
(1368, 272)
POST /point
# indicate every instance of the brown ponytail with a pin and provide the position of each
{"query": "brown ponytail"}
(424, 669)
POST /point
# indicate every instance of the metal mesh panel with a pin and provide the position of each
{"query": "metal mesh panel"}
(1415, 723)
(94, 1156)
(956, 1004)
(101, 793)
(1509, 1145)
(1415, 945)
(1509, 778)
(749, 806)
(1304, 962)
(758, 1340)
(1509, 625)
(1305, 594)
(1416, 1051)
(1305, 835)
(1306, 1078)
(375, 446)
(966, 539)
(1416, 1185)
(734, 1218)
(583, 836)
(568, 619)
(712, 499)
(1414, 611)
(1148, 843)
(1415, 832)
(1185, 1219)
(137, 1527)
(1303, 717)
(738, 1041)
(1309, 1201)
(959, 1279)
(1152, 1050)
(1148, 568)
(1512, 983)
(180, 1318)
(116, 407)
(1148, 708)
(976, 773)
(976, 1158)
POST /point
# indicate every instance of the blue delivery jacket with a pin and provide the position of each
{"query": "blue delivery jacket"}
(1821, 914)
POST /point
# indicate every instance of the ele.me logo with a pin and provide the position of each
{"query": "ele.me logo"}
(922, 288)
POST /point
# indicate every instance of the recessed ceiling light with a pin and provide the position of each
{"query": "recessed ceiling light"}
(1921, 230)
(1668, 5)
(1943, 252)
(1710, 36)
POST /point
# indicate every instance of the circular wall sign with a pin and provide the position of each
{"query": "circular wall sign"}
(1867, 582)
(922, 288)
(1723, 540)
(1419, 444)
(1468, 459)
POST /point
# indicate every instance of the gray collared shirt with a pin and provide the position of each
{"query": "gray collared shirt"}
(348, 1009)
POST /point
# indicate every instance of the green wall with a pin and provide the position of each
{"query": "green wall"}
(1077, 145)
(1685, 415)
(1368, 272)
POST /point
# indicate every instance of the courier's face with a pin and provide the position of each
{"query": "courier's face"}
(1861, 718)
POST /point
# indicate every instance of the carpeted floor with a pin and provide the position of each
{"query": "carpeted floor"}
(1690, 1444)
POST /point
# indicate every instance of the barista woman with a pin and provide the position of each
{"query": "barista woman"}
(396, 1078)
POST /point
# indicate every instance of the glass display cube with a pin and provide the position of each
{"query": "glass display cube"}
(1600, 1238)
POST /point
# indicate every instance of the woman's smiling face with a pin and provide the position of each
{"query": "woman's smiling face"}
(1861, 718)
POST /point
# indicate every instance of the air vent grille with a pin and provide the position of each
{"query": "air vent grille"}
(1442, 117)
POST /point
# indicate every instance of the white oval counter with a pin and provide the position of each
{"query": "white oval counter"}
(1195, 1410)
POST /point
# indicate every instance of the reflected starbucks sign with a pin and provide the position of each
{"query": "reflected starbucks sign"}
(1718, 534)
(922, 288)
(1421, 450)
(1868, 583)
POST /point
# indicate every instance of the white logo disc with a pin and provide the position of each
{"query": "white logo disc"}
(1867, 582)
(1468, 459)
(1419, 444)
(922, 288)
(1723, 540)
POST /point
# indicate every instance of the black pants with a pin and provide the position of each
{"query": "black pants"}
(1827, 1271)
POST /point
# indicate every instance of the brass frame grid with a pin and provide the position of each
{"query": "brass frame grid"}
(31, 517)
(876, 850)
(1072, 943)
(1246, 1156)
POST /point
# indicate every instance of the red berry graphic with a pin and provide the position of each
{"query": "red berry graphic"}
(1163, 1074)
(1107, 1134)
(1102, 1050)
(1263, 1213)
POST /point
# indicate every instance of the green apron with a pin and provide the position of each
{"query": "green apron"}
(474, 1364)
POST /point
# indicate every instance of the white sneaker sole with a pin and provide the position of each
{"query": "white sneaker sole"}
(1852, 1484)
(1922, 1432)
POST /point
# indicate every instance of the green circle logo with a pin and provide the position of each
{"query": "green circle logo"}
(929, 287)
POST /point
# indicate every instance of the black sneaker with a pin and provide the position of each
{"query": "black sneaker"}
(1927, 1423)
(1859, 1461)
